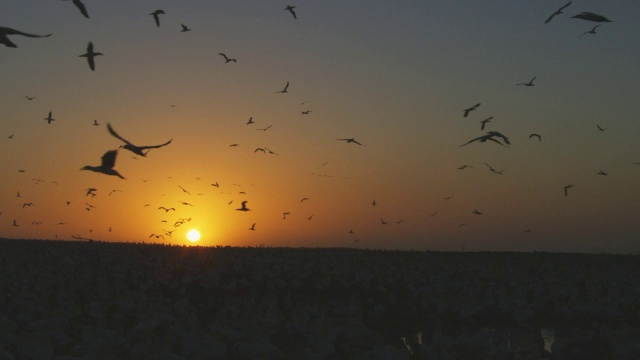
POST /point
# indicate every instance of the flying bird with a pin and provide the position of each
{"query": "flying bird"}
(602, 173)
(166, 209)
(566, 189)
(592, 31)
(558, 12)
(184, 190)
(253, 227)
(285, 89)
(494, 170)
(15, 223)
(464, 167)
(267, 128)
(90, 55)
(30, 97)
(81, 7)
(250, 121)
(484, 122)
(244, 206)
(49, 118)
(477, 212)
(536, 135)
(589, 16)
(184, 28)
(304, 199)
(468, 110)
(351, 140)
(5, 31)
(138, 150)
(290, 9)
(91, 191)
(156, 17)
(490, 136)
(227, 59)
(530, 83)
(601, 128)
(108, 161)
(95, 123)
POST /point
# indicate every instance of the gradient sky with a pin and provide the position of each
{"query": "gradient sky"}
(394, 75)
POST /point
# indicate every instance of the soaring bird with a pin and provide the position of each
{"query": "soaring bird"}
(81, 7)
(139, 150)
(49, 118)
(253, 227)
(602, 173)
(184, 28)
(156, 17)
(477, 212)
(484, 122)
(490, 136)
(494, 170)
(566, 188)
(601, 128)
(267, 128)
(558, 12)
(95, 123)
(530, 83)
(464, 167)
(5, 31)
(244, 206)
(30, 97)
(90, 55)
(290, 9)
(15, 223)
(468, 110)
(285, 89)
(227, 59)
(166, 209)
(589, 16)
(592, 31)
(536, 135)
(250, 121)
(107, 164)
(184, 190)
(351, 140)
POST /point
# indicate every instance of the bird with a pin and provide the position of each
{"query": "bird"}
(250, 121)
(468, 110)
(10, 136)
(156, 17)
(464, 167)
(310, 217)
(253, 227)
(244, 206)
(15, 223)
(350, 231)
(530, 83)
(91, 191)
(267, 128)
(285, 89)
(216, 184)
(601, 128)
(484, 122)
(157, 236)
(227, 59)
(589, 16)
(489, 136)
(374, 203)
(304, 199)
(90, 55)
(592, 31)
(184, 28)
(259, 149)
(166, 209)
(185, 203)
(138, 150)
(566, 189)
(184, 190)
(95, 123)
(602, 173)
(290, 9)
(477, 212)
(5, 31)
(284, 215)
(108, 161)
(81, 7)
(383, 222)
(351, 140)
(558, 12)
(29, 98)
(49, 118)
(29, 204)
(306, 112)
(494, 170)
(536, 135)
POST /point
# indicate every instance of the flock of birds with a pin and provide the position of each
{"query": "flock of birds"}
(107, 165)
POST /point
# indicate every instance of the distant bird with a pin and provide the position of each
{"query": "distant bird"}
(536, 135)
(270, 151)
(477, 212)
(383, 222)
(227, 59)
(185, 203)
(592, 31)
(112, 191)
(10, 136)
(589, 16)
(138, 150)
(233, 145)
(184, 190)
(464, 167)
(468, 110)
(95, 123)
(267, 128)
(15, 223)
(310, 217)
(157, 236)
(91, 191)
(566, 189)
(284, 215)
(49, 118)
(81, 7)
(530, 83)
(107, 164)
(156, 17)
(5, 31)
(490, 136)
(250, 121)
(216, 184)
(494, 170)
(285, 89)
(601, 128)
(602, 173)
(306, 112)
(259, 149)
(29, 204)
(374, 203)
(244, 206)
(184, 28)
(351, 140)
(290, 9)
(30, 98)
(166, 209)
(304, 199)
(90, 55)
(558, 12)
(253, 227)
(350, 231)
(484, 122)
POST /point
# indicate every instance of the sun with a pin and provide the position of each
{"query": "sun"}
(193, 235)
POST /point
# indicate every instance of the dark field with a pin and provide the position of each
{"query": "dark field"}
(91, 300)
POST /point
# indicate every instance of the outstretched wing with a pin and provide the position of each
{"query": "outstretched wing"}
(112, 132)
(155, 146)
(81, 7)
(109, 159)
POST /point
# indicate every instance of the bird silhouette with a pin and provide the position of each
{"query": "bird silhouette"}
(10, 136)
(95, 123)
(468, 110)
(15, 223)
(5, 31)
(49, 118)
(530, 83)
(592, 31)
(589, 16)
(536, 135)
(243, 206)
(285, 89)
(484, 122)
(477, 212)
(290, 9)
(383, 222)
(566, 189)
(156, 17)
(490, 137)
(91, 191)
(30, 97)
(138, 150)
(558, 12)
(601, 128)
(250, 121)
(166, 209)
(90, 55)
(227, 59)
(81, 7)
(253, 227)
(108, 161)
(464, 167)
(351, 140)
(184, 28)
(267, 128)
(494, 170)
(304, 199)
(602, 173)
(29, 204)
(184, 190)
(374, 203)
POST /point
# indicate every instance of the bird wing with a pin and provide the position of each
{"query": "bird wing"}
(472, 140)
(109, 159)
(9, 31)
(81, 7)
(114, 133)
(155, 146)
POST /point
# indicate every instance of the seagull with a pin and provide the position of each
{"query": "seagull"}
(602, 173)
(91, 191)
(184, 28)
(304, 199)
(250, 121)
(592, 31)
(49, 118)
(290, 9)
(284, 215)
(90, 55)
(566, 188)
(464, 167)
(530, 83)
(536, 135)
(139, 150)
(226, 59)
(185, 203)
(30, 98)
(285, 89)
(81, 7)
(29, 204)
(383, 222)
(184, 190)
(5, 31)
(306, 112)
(267, 128)
(107, 164)
(310, 217)
(244, 207)
(589, 16)
(601, 128)
(477, 212)
(155, 16)
(165, 209)
(216, 184)
(494, 170)
(468, 110)
(95, 123)
(157, 236)
(11, 136)
(484, 122)
(253, 227)
(489, 136)
(558, 12)
(351, 140)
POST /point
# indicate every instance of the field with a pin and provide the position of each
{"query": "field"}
(95, 300)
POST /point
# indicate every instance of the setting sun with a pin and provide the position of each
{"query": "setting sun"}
(193, 235)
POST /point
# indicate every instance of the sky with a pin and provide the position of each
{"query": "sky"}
(396, 76)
